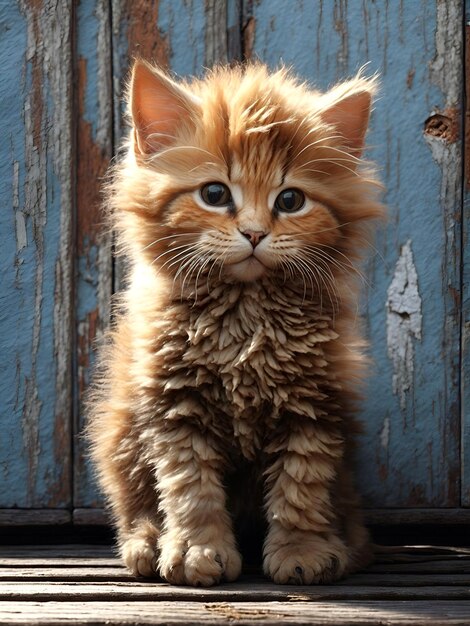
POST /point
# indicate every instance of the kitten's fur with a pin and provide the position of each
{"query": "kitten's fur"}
(218, 360)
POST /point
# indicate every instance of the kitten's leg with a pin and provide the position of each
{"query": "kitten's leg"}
(197, 546)
(303, 545)
(130, 489)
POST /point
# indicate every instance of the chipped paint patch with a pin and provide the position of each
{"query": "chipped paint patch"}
(404, 322)
(20, 222)
(446, 67)
(385, 434)
(143, 34)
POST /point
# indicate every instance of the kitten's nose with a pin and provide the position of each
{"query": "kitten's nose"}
(253, 236)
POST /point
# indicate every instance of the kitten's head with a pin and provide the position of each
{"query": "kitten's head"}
(244, 175)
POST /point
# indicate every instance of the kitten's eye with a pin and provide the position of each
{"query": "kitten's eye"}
(289, 201)
(216, 194)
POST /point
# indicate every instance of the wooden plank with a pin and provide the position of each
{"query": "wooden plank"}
(426, 567)
(36, 157)
(64, 562)
(34, 517)
(431, 613)
(401, 517)
(77, 573)
(389, 517)
(87, 550)
(409, 456)
(60, 551)
(90, 517)
(247, 591)
(465, 327)
(107, 573)
(234, 30)
(93, 281)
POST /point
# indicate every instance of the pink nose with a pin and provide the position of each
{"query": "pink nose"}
(254, 236)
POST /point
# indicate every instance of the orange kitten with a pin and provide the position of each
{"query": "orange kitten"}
(241, 207)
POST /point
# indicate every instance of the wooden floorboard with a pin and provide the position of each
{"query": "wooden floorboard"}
(86, 584)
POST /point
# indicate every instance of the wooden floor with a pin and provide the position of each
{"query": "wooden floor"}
(86, 584)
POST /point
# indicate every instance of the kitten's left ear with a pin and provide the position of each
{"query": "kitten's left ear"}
(159, 107)
(347, 108)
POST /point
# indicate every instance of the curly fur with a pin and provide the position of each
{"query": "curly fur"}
(217, 362)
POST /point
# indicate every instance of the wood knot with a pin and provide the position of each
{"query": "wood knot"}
(443, 125)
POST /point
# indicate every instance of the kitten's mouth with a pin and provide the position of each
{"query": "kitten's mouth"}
(250, 268)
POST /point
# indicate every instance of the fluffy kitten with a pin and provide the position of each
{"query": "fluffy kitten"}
(241, 207)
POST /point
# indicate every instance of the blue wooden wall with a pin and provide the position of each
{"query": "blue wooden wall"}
(36, 258)
(61, 99)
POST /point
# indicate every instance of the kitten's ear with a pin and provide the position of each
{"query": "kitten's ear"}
(347, 108)
(158, 107)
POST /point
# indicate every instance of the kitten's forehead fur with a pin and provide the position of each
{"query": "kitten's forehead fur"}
(253, 119)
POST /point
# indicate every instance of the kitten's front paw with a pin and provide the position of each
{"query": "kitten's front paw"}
(199, 565)
(140, 556)
(311, 561)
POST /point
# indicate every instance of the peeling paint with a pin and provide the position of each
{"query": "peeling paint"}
(404, 322)
(143, 35)
(446, 67)
(94, 262)
(446, 74)
(215, 37)
(35, 206)
(385, 434)
(47, 194)
(20, 222)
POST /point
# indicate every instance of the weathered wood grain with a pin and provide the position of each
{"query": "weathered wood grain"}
(390, 517)
(91, 516)
(34, 517)
(431, 613)
(36, 254)
(72, 550)
(106, 553)
(77, 573)
(93, 279)
(64, 562)
(409, 455)
(106, 573)
(423, 567)
(428, 515)
(103, 593)
(465, 296)
(247, 591)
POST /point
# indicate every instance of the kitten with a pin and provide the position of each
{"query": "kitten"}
(241, 206)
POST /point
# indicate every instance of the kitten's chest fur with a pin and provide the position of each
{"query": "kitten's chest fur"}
(255, 352)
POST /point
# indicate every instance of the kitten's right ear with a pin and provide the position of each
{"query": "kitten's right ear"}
(158, 107)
